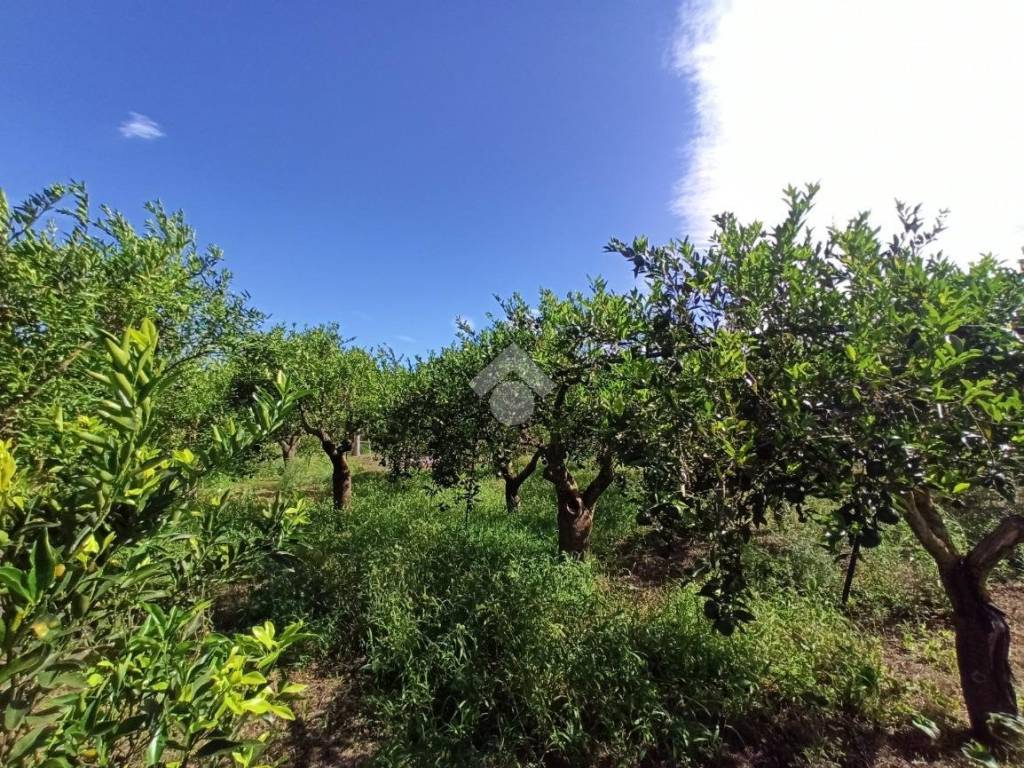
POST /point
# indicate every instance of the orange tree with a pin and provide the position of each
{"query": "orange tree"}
(471, 427)
(587, 348)
(400, 428)
(109, 556)
(557, 382)
(341, 386)
(878, 376)
(67, 272)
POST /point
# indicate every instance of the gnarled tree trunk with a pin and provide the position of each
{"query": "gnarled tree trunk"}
(514, 481)
(341, 476)
(575, 521)
(289, 447)
(982, 647)
(341, 473)
(982, 634)
(575, 508)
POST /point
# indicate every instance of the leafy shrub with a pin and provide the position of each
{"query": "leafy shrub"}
(482, 648)
(106, 655)
(67, 273)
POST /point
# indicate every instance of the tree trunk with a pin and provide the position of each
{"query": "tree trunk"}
(289, 447)
(341, 480)
(341, 475)
(575, 522)
(851, 567)
(511, 493)
(511, 496)
(982, 648)
(982, 634)
(575, 509)
(514, 481)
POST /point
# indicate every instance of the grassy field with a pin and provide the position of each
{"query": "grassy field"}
(447, 639)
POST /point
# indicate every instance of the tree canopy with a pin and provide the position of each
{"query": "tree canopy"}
(67, 274)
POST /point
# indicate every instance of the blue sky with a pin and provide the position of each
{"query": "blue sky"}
(387, 165)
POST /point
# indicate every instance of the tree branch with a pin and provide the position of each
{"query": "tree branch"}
(997, 544)
(316, 432)
(555, 469)
(926, 524)
(37, 387)
(528, 470)
(600, 483)
(560, 399)
(196, 354)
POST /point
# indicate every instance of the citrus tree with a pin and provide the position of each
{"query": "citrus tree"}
(467, 433)
(400, 429)
(879, 376)
(341, 385)
(555, 385)
(67, 273)
(108, 560)
(259, 354)
(587, 348)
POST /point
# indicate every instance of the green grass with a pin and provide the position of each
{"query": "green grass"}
(893, 583)
(480, 647)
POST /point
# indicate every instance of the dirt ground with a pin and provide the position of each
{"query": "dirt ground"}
(328, 730)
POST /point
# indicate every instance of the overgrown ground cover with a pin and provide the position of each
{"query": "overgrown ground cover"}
(447, 639)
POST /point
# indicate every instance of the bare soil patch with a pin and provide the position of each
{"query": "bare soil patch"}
(330, 729)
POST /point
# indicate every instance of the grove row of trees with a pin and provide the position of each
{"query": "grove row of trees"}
(746, 378)
(736, 381)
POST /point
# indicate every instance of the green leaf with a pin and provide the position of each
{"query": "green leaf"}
(13, 716)
(156, 745)
(28, 662)
(119, 356)
(926, 726)
(218, 746)
(28, 742)
(43, 560)
(15, 581)
(978, 754)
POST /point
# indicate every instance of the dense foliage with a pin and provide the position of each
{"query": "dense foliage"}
(868, 392)
(878, 376)
(482, 647)
(67, 275)
(106, 573)
(341, 386)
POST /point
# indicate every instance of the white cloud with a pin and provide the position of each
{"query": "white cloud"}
(921, 100)
(406, 339)
(140, 127)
